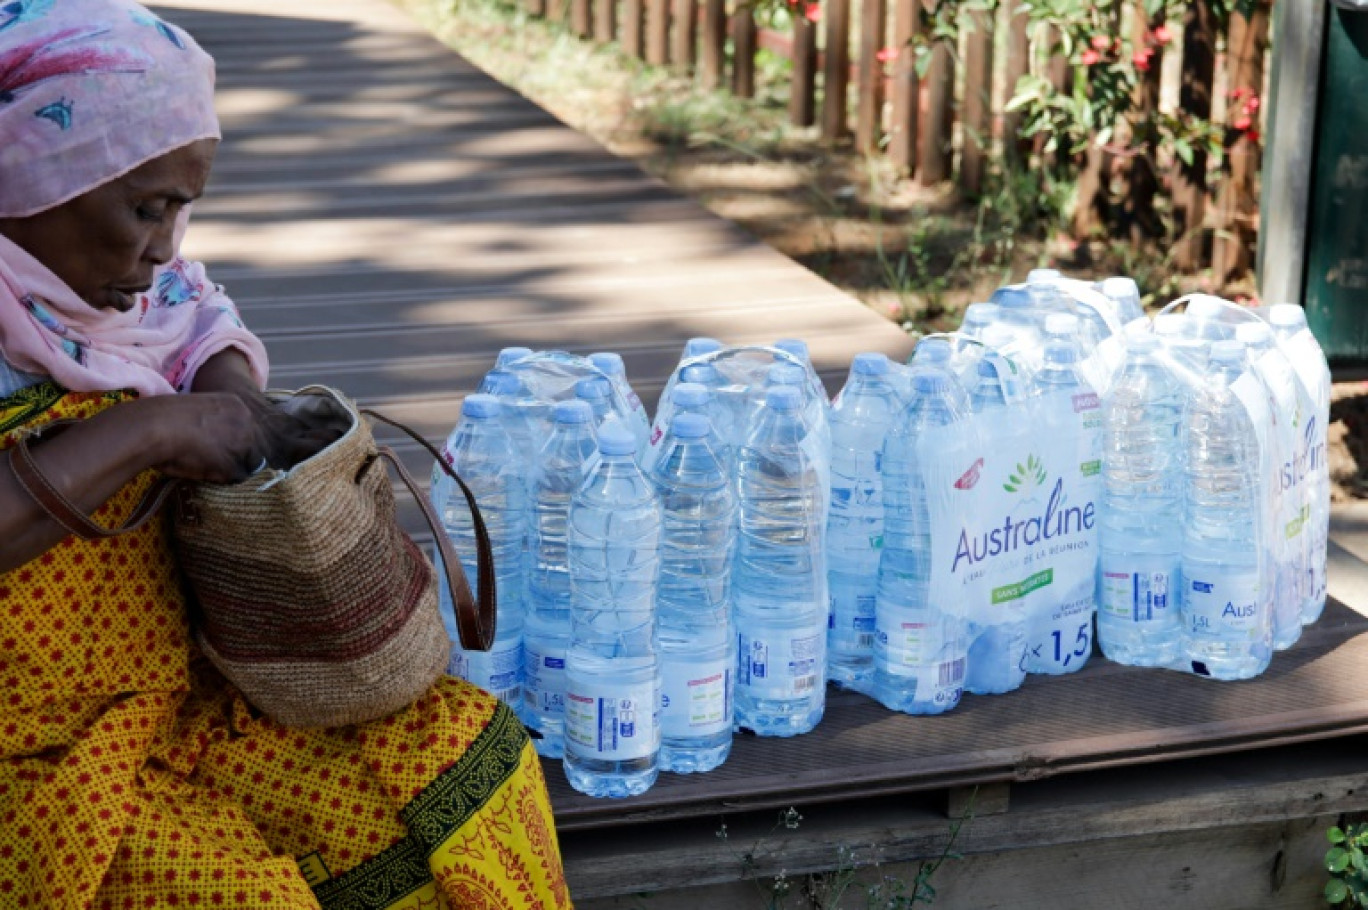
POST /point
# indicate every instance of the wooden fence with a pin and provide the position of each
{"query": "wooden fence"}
(869, 49)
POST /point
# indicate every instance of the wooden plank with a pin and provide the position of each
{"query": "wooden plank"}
(580, 17)
(684, 39)
(634, 28)
(1189, 184)
(938, 119)
(977, 122)
(873, 37)
(743, 46)
(714, 42)
(1016, 64)
(657, 32)
(906, 113)
(836, 69)
(803, 91)
(1237, 204)
(605, 20)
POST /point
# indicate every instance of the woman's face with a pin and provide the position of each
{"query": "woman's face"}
(105, 244)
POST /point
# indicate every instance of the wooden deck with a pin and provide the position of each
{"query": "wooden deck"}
(388, 217)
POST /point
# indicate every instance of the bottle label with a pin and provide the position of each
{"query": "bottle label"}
(1138, 587)
(497, 671)
(614, 723)
(1223, 604)
(775, 664)
(1062, 639)
(695, 698)
(851, 618)
(912, 648)
(544, 678)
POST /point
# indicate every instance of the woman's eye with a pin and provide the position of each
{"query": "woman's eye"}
(148, 213)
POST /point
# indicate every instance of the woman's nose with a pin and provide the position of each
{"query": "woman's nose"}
(162, 248)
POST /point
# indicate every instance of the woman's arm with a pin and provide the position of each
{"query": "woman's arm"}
(212, 437)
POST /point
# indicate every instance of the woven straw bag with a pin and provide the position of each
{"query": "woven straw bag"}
(311, 599)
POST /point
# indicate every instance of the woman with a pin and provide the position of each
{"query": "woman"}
(131, 773)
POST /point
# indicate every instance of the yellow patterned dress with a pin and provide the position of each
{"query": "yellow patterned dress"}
(132, 775)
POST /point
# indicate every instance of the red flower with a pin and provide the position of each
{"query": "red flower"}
(1253, 136)
(1163, 35)
(1238, 93)
(1252, 104)
(1141, 59)
(1242, 123)
(1090, 57)
(886, 54)
(1101, 42)
(813, 12)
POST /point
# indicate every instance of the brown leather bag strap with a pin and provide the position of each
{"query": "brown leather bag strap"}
(62, 510)
(475, 622)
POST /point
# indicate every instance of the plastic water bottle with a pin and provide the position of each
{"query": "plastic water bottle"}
(1016, 311)
(1061, 635)
(697, 347)
(860, 420)
(511, 355)
(919, 646)
(1138, 619)
(560, 471)
(509, 390)
(779, 578)
(799, 349)
(1227, 630)
(1043, 286)
(977, 317)
(612, 365)
(695, 398)
(1126, 295)
(597, 393)
(612, 676)
(1287, 535)
(997, 643)
(480, 450)
(694, 609)
(1295, 338)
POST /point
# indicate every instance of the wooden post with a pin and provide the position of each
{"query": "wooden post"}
(1143, 175)
(605, 20)
(579, 17)
(836, 68)
(743, 48)
(1194, 97)
(1237, 206)
(535, 7)
(977, 121)
(633, 20)
(802, 100)
(557, 10)
(684, 41)
(902, 145)
(1018, 63)
(657, 31)
(869, 113)
(714, 42)
(937, 159)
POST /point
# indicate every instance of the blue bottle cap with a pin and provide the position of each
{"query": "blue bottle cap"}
(478, 405)
(870, 364)
(784, 398)
(795, 346)
(592, 388)
(690, 395)
(501, 383)
(697, 347)
(932, 352)
(1042, 276)
(609, 363)
(615, 439)
(1012, 298)
(930, 382)
(700, 372)
(1061, 352)
(1254, 334)
(573, 411)
(1287, 316)
(509, 355)
(977, 314)
(987, 368)
(1228, 352)
(786, 374)
(690, 426)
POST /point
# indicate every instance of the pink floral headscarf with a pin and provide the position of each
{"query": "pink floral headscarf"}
(90, 90)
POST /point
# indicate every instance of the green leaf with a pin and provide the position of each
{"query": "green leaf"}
(1183, 149)
(1337, 859)
(1335, 835)
(1009, 488)
(1336, 891)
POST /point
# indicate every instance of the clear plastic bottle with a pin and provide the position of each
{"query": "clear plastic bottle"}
(697, 347)
(1126, 295)
(482, 452)
(919, 646)
(1017, 312)
(1227, 632)
(1061, 635)
(1138, 621)
(561, 468)
(693, 608)
(1295, 338)
(612, 673)
(695, 398)
(997, 644)
(511, 355)
(1044, 287)
(779, 577)
(1287, 535)
(515, 413)
(860, 419)
(799, 349)
(616, 371)
(977, 317)
(598, 393)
